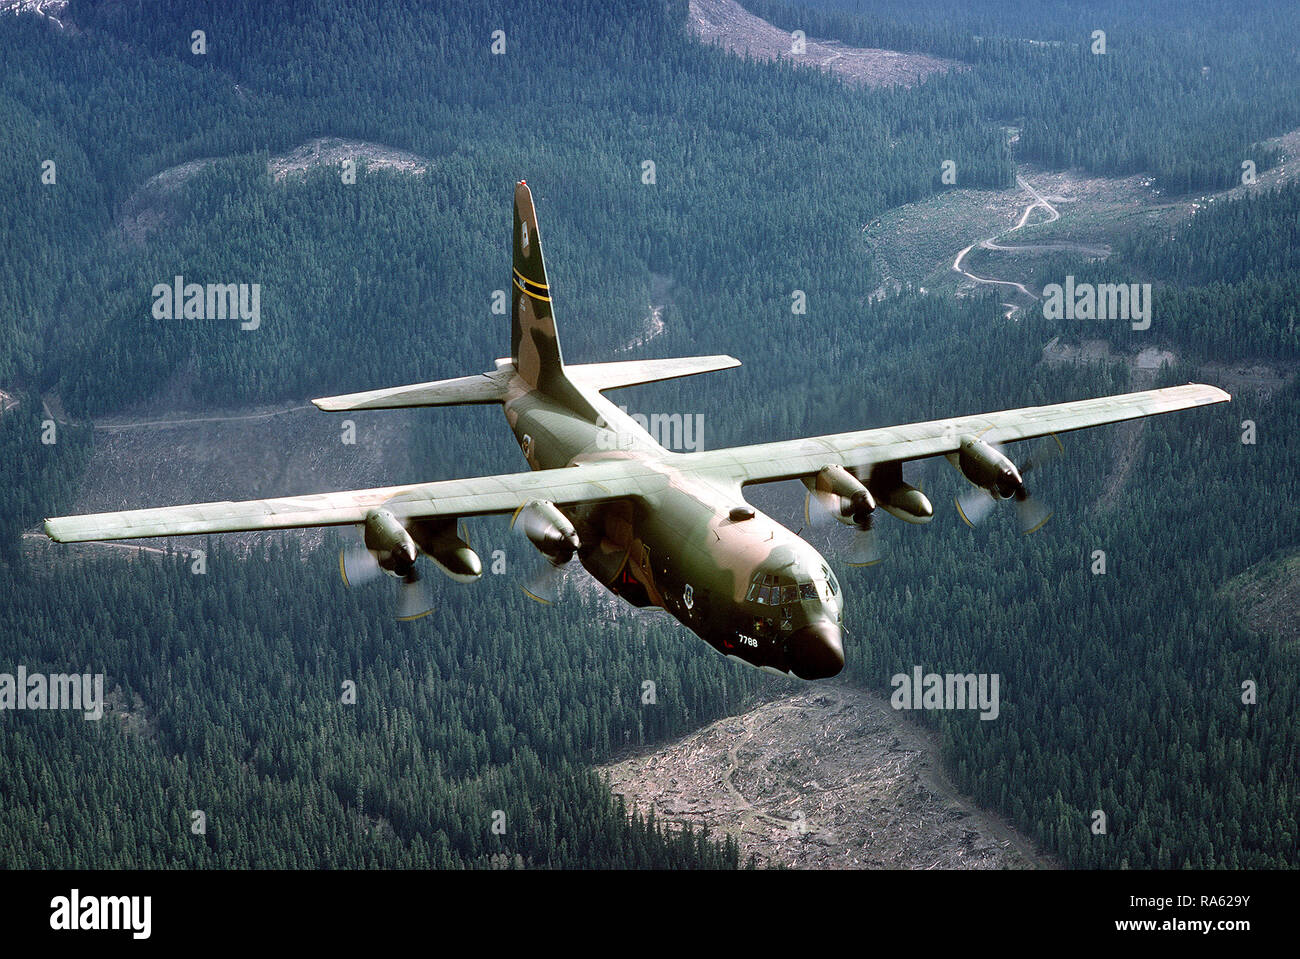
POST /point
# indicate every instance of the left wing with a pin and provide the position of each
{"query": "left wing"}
(476, 496)
(792, 459)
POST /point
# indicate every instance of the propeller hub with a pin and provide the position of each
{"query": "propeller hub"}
(1010, 484)
(862, 506)
(549, 530)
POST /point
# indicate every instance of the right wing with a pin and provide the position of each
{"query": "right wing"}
(475, 496)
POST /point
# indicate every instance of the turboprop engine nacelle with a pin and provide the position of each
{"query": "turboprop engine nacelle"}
(987, 468)
(844, 496)
(549, 530)
(441, 542)
(390, 543)
(905, 502)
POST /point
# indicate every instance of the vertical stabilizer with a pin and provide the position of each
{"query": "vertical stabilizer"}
(534, 344)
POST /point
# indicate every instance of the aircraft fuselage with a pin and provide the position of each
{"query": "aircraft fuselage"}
(745, 584)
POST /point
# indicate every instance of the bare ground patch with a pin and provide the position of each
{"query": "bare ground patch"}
(134, 717)
(1267, 596)
(916, 243)
(830, 777)
(661, 297)
(154, 207)
(159, 459)
(52, 10)
(727, 24)
(333, 151)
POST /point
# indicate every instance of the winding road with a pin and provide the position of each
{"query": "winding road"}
(43, 540)
(138, 424)
(991, 243)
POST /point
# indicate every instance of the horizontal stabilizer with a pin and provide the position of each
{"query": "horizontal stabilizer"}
(481, 388)
(612, 376)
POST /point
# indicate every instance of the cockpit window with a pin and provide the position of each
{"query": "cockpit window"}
(830, 578)
(770, 590)
(764, 590)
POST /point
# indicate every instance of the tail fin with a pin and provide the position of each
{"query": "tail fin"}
(534, 344)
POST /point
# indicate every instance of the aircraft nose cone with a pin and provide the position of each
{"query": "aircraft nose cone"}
(816, 651)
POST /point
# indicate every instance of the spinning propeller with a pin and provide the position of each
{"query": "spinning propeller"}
(387, 548)
(837, 496)
(995, 477)
(555, 538)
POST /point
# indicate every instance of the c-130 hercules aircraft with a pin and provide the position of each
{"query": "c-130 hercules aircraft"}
(655, 527)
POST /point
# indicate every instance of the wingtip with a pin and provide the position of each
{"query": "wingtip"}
(1223, 396)
(1217, 394)
(327, 403)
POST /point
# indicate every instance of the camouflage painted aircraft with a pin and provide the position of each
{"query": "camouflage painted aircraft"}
(658, 528)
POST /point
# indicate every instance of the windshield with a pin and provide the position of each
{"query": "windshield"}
(768, 589)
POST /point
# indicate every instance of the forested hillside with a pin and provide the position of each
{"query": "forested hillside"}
(1227, 284)
(1121, 691)
(234, 684)
(1177, 90)
(622, 95)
